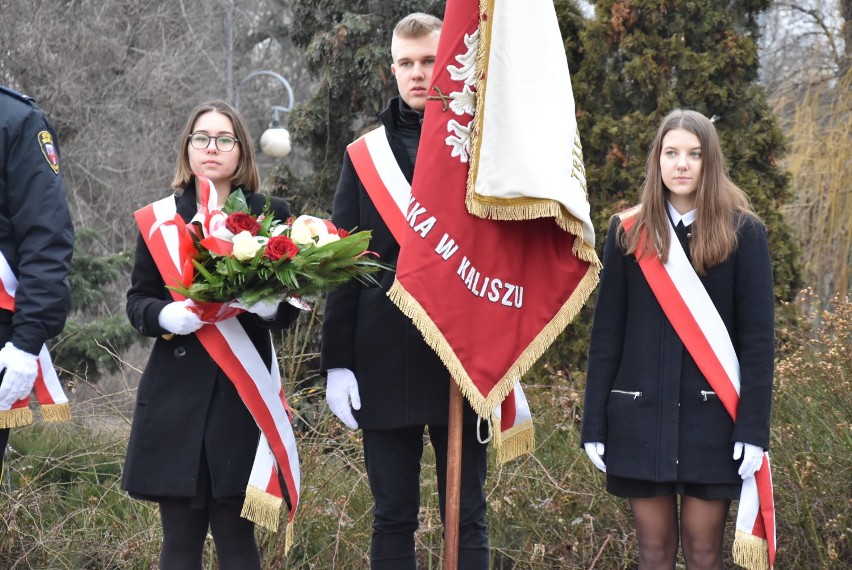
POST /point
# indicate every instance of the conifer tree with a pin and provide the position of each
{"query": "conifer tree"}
(95, 331)
(644, 58)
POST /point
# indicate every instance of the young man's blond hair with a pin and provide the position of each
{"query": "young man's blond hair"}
(413, 26)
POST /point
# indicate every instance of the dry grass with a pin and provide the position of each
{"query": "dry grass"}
(61, 507)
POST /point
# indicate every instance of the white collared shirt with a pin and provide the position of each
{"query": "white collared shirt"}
(686, 218)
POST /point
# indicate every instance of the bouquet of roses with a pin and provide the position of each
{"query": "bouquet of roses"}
(240, 259)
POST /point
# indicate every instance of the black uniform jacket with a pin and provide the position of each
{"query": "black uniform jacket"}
(645, 397)
(36, 234)
(185, 404)
(401, 380)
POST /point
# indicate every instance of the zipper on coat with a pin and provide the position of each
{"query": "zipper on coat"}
(629, 393)
(705, 393)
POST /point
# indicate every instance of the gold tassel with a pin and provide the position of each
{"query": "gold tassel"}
(261, 508)
(56, 412)
(288, 537)
(518, 440)
(16, 417)
(750, 552)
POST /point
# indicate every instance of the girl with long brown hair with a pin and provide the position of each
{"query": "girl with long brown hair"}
(653, 421)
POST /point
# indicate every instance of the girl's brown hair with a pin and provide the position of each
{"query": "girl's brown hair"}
(246, 176)
(720, 204)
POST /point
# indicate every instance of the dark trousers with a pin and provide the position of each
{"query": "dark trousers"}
(4, 439)
(393, 469)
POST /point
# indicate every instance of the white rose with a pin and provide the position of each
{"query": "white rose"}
(245, 246)
(327, 238)
(301, 234)
(306, 228)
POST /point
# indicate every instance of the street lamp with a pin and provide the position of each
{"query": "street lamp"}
(275, 141)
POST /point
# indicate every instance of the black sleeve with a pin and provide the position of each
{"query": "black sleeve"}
(607, 339)
(36, 232)
(147, 294)
(341, 304)
(755, 333)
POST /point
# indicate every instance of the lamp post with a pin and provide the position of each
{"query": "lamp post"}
(275, 141)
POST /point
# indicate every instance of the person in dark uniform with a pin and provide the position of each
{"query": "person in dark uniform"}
(193, 440)
(36, 243)
(651, 420)
(381, 374)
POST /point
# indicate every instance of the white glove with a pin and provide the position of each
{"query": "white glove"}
(595, 451)
(263, 309)
(752, 458)
(341, 393)
(21, 370)
(177, 318)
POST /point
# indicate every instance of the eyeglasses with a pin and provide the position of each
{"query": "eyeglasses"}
(201, 141)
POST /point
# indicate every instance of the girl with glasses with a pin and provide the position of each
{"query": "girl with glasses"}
(193, 440)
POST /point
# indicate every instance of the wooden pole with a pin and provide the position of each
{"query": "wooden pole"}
(452, 503)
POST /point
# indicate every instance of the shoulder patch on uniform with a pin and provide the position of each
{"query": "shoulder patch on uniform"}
(48, 149)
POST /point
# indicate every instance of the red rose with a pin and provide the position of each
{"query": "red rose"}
(242, 222)
(342, 233)
(281, 246)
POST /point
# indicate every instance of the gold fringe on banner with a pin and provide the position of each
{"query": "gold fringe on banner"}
(16, 417)
(261, 508)
(56, 412)
(516, 441)
(750, 552)
(484, 406)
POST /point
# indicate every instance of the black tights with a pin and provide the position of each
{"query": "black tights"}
(184, 531)
(702, 528)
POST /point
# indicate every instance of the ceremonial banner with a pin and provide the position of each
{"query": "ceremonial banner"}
(390, 193)
(499, 254)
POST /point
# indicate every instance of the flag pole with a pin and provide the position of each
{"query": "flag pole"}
(452, 501)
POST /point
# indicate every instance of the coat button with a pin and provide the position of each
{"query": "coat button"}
(180, 352)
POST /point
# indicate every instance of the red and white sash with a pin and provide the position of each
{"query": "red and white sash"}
(390, 193)
(700, 327)
(231, 348)
(48, 390)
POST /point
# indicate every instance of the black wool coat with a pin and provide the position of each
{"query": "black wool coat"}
(36, 233)
(645, 398)
(401, 381)
(186, 406)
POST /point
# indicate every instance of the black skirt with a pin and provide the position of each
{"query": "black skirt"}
(203, 496)
(640, 489)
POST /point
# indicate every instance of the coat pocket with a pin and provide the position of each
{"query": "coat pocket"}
(631, 393)
(708, 395)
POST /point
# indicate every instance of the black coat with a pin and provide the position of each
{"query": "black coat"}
(185, 401)
(402, 382)
(675, 430)
(36, 234)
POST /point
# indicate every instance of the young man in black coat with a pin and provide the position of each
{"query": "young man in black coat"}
(36, 243)
(382, 376)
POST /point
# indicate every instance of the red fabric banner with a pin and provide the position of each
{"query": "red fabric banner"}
(488, 295)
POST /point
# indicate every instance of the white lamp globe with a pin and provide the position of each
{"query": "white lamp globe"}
(275, 142)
